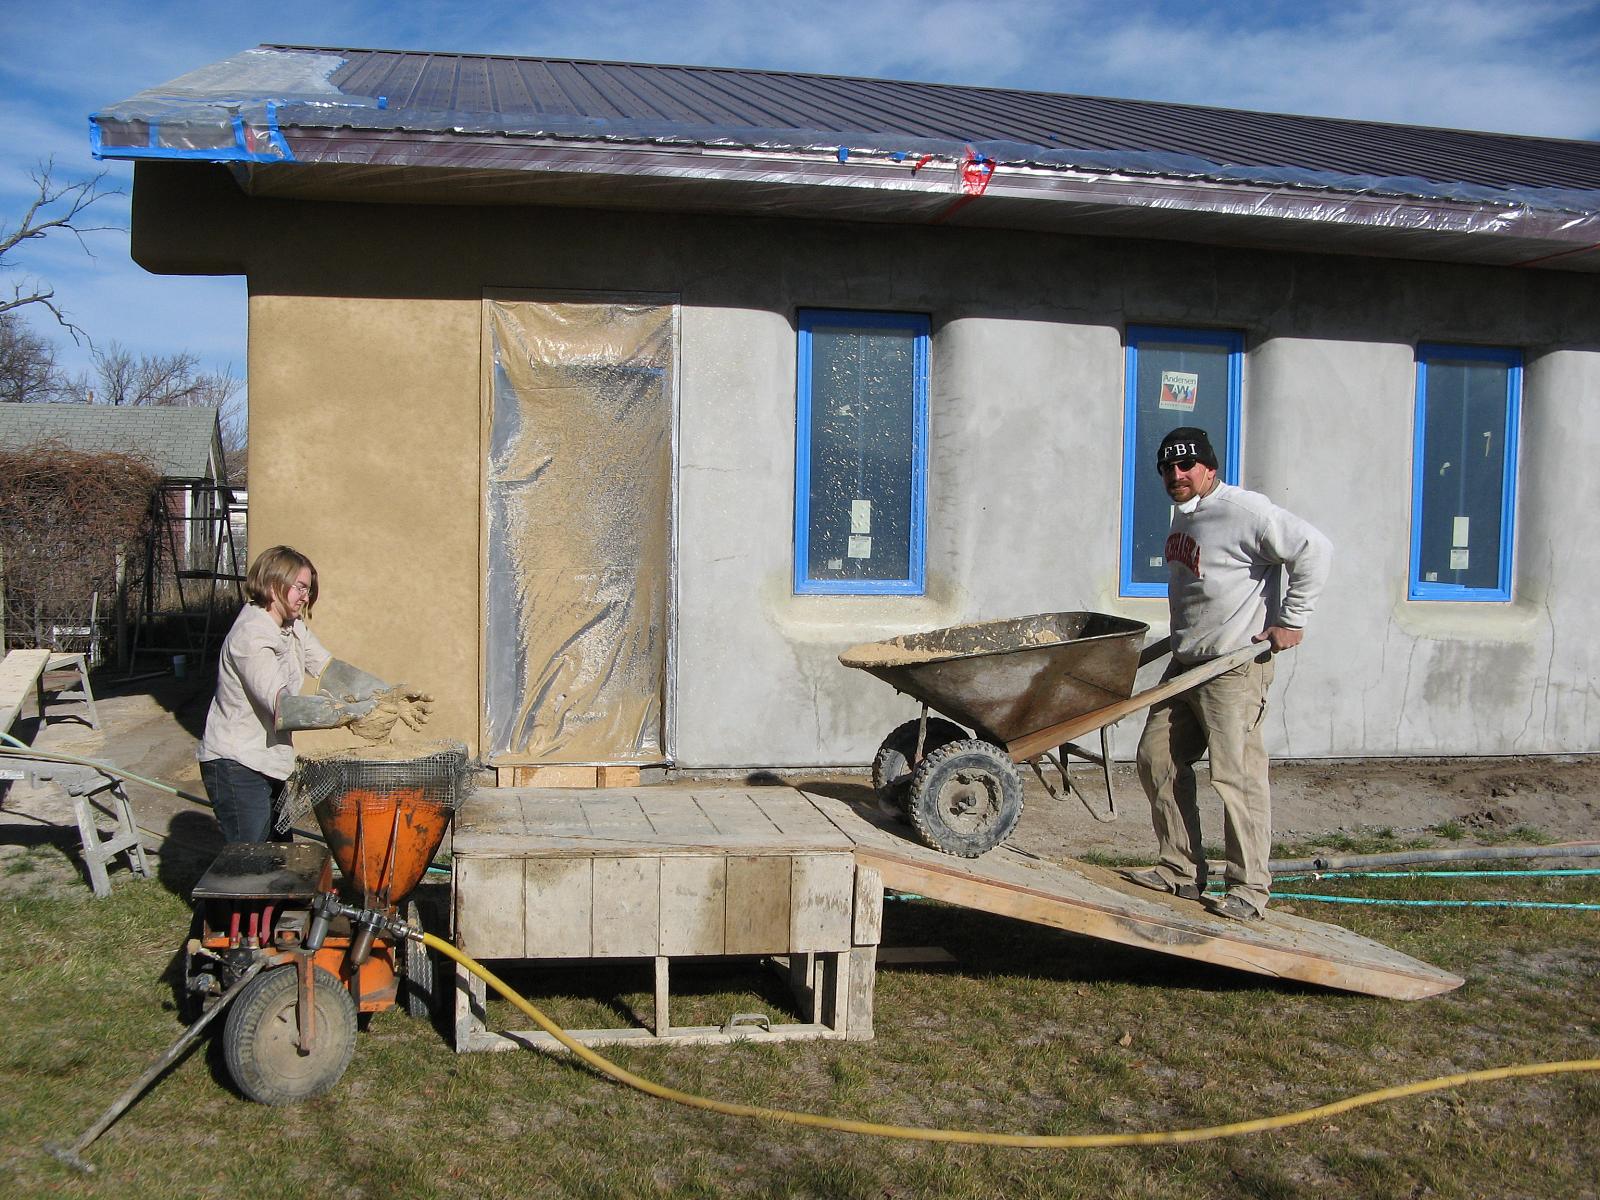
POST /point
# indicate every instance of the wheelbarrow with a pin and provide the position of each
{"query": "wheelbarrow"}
(1008, 692)
(273, 909)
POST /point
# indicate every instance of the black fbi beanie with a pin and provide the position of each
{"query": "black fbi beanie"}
(1187, 441)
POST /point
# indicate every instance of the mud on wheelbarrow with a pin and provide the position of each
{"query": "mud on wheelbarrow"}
(1024, 687)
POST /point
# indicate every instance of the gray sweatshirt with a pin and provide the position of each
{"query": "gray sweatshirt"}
(1222, 560)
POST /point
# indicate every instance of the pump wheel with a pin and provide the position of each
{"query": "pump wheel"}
(896, 760)
(260, 1041)
(418, 971)
(965, 798)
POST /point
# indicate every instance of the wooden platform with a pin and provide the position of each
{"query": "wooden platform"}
(671, 872)
(665, 874)
(1101, 904)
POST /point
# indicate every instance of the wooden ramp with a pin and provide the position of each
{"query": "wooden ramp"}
(1098, 903)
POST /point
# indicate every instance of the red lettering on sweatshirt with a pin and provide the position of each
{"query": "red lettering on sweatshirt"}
(1181, 548)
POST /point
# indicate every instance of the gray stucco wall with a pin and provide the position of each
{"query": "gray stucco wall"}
(1025, 472)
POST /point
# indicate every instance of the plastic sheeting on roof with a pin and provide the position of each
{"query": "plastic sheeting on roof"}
(271, 106)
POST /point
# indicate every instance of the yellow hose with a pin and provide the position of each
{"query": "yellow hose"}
(1067, 1141)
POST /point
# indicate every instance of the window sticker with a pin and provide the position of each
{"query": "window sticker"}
(860, 546)
(861, 516)
(1178, 390)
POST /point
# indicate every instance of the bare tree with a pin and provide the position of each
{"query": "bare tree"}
(174, 380)
(28, 372)
(56, 207)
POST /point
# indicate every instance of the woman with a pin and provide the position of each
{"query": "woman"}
(247, 753)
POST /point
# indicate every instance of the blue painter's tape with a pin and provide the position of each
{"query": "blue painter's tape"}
(240, 151)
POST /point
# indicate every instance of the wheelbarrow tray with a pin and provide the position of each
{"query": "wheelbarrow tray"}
(1009, 678)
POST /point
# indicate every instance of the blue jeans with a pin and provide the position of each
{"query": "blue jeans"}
(244, 799)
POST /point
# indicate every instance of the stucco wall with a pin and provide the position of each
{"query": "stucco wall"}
(365, 444)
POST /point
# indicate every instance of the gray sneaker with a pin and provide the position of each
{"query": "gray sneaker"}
(1156, 881)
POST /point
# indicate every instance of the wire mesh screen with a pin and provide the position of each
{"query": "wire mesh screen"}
(438, 774)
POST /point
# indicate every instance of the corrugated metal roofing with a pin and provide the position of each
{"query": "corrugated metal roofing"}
(179, 442)
(379, 125)
(839, 106)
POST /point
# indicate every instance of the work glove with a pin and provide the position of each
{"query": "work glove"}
(348, 684)
(320, 712)
(399, 704)
(349, 696)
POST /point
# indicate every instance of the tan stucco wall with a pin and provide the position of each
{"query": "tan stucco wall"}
(367, 412)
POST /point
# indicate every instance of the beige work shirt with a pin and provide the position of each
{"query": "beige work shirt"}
(260, 660)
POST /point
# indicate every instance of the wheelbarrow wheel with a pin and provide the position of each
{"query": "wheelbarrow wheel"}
(419, 971)
(897, 757)
(965, 798)
(261, 1040)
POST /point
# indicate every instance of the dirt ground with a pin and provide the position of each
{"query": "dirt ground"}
(150, 728)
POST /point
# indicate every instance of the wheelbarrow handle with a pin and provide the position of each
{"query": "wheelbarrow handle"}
(1159, 648)
(1033, 744)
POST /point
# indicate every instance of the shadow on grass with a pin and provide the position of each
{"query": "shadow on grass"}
(986, 945)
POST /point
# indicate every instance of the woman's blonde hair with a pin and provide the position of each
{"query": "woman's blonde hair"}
(272, 575)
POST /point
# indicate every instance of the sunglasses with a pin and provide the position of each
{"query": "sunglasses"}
(1180, 464)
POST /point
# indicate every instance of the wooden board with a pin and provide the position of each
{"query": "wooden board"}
(19, 677)
(650, 820)
(1097, 903)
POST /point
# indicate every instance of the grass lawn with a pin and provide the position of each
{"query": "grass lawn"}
(1030, 1030)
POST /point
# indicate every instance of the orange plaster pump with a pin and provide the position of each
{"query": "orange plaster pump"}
(321, 954)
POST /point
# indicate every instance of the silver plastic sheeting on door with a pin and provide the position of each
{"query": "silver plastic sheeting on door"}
(579, 493)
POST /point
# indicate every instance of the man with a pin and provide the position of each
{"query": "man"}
(1221, 553)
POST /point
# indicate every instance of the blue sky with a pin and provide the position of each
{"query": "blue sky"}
(1476, 64)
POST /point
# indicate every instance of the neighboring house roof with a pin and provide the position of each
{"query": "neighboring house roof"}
(184, 444)
(314, 121)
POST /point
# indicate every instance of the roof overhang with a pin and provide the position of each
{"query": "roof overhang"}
(312, 140)
(820, 183)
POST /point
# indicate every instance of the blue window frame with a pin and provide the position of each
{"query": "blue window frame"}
(1464, 472)
(861, 453)
(1174, 377)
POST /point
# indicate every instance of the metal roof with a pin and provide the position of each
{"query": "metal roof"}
(841, 107)
(313, 121)
(181, 443)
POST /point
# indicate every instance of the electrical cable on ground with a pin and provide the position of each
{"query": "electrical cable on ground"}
(1070, 1141)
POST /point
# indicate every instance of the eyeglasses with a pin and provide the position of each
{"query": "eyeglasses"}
(303, 588)
(1180, 464)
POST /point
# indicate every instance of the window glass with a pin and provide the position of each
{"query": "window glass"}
(1175, 377)
(1465, 459)
(863, 416)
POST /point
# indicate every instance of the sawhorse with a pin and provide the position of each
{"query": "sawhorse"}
(43, 672)
(90, 789)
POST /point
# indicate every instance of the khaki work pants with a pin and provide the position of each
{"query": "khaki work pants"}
(1223, 715)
